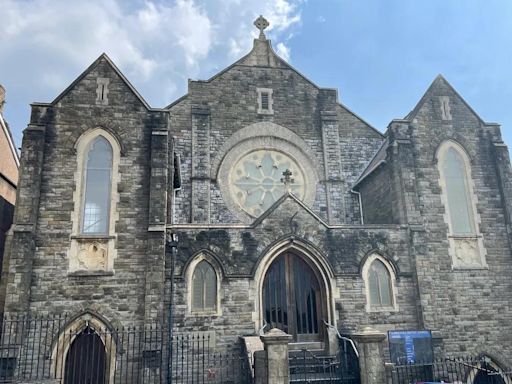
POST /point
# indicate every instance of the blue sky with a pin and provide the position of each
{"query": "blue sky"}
(381, 55)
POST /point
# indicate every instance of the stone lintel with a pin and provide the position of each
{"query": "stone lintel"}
(201, 110)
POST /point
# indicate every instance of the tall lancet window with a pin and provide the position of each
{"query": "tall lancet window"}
(460, 214)
(98, 182)
(458, 196)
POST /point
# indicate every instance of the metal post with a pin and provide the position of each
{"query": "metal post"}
(172, 242)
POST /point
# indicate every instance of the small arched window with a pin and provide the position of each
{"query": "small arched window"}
(204, 288)
(379, 279)
(379, 285)
(97, 187)
(458, 197)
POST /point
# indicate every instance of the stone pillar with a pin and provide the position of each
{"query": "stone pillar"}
(334, 184)
(275, 359)
(200, 165)
(371, 356)
(22, 246)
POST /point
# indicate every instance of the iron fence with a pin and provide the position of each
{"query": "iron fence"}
(44, 348)
(308, 366)
(472, 370)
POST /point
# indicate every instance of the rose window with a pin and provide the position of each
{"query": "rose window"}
(256, 180)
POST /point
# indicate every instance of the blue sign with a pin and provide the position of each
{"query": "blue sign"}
(410, 346)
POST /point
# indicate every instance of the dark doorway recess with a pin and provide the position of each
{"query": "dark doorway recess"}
(86, 360)
(292, 298)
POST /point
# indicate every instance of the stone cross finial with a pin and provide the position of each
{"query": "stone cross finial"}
(261, 23)
(287, 179)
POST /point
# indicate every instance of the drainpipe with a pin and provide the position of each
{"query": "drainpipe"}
(172, 242)
(360, 205)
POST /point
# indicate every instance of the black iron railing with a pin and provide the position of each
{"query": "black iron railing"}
(310, 366)
(36, 348)
(476, 370)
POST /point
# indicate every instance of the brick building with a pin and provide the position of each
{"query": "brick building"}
(9, 164)
(290, 210)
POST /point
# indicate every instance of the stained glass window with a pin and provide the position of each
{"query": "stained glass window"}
(204, 287)
(256, 180)
(380, 288)
(98, 180)
(457, 193)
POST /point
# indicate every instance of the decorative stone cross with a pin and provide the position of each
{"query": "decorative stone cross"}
(261, 23)
(287, 179)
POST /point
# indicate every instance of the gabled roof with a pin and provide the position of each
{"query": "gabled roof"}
(104, 57)
(378, 159)
(438, 81)
(281, 200)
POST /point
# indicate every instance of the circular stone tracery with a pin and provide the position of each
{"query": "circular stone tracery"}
(256, 180)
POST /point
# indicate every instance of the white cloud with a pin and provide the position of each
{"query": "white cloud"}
(45, 44)
(283, 51)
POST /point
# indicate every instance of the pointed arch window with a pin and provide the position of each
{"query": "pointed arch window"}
(97, 187)
(466, 243)
(379, 279)
(93, 238)
(204, 288)
(380, 288)
(458, 196)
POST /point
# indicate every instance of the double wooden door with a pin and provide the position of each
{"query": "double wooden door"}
(292, 299)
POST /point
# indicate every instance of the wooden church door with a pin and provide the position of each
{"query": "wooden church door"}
(292, 299)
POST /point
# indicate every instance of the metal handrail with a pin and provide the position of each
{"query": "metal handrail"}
(352, 344)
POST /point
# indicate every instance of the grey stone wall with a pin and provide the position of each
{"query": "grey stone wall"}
(45, 209)
(469, 308)
(376, 197)
(231, 101)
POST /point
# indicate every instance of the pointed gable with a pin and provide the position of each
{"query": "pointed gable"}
(441, 102)
(101, 70)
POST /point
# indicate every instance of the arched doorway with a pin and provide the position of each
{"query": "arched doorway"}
(292, 298)
(86, 359)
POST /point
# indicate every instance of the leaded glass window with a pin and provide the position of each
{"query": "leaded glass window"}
(98, 180)
(457, 193)
(204, 287)
(256, 180)
(379, 284)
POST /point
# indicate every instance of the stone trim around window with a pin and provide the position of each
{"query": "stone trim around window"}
(392, 278)
(466, 251)
(92, 255)
(265, 101)
(189, 273)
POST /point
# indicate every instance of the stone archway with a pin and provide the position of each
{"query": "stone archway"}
(292, 298)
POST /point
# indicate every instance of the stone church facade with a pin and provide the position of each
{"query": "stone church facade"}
(288, 208)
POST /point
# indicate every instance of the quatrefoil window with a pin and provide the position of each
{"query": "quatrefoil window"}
(256, 180)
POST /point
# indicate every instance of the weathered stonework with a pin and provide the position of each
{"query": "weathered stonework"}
(402, 219)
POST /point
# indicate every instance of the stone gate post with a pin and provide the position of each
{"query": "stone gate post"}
(271, 364)
(371, 357)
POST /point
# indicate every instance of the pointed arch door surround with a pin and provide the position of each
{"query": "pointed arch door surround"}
(292, 299)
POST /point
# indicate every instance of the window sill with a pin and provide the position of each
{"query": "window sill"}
(90, 273)
(214, 313)
(92, 237)
(381, 309)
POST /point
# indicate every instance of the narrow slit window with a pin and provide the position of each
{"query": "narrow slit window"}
(264, 101)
